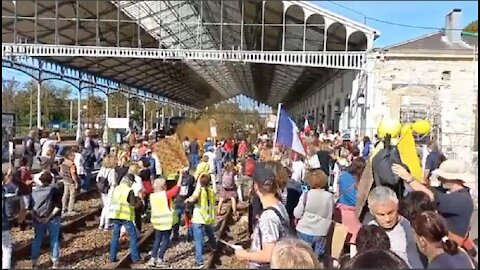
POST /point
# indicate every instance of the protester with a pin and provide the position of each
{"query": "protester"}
(106, 178)
(163, 218)
(292, 253)
(79, 165)
(455, 204)
(345, 209)
(193, 153)
(29, 151)
(122, 214)
(414, 204)
(23, 179)
(228, 188)
(273, 223)
(202, 168)
(47, 205)
(376, 259)
(431, 235)
(70, 182)
(6, 237)
(203, 216)
(139, 193)
(371, 237)
(383, 204)
(187, 187)
(314, 221)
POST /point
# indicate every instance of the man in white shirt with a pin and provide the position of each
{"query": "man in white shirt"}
(298, 170)
(51, 142)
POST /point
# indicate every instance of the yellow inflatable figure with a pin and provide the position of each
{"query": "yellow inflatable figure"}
(389, 126)
(402, 137)
(405, 128)
(421, 126)
(408, 154)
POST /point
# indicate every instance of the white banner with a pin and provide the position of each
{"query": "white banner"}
(117, 123)
(271, 121)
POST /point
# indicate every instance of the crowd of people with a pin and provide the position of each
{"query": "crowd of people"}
(296, 203)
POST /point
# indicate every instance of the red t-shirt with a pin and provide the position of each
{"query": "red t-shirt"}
(25, 175)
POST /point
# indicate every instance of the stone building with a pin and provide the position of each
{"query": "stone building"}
(432, 76)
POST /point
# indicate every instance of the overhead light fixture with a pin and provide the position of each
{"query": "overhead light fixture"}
(361, 100)
(336, 108)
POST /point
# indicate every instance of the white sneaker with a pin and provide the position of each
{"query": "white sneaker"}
(152, 262)
(160, 263)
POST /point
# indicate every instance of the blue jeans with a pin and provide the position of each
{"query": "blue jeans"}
(162, 240)
(318, 243)
(132, 232)
(40, 229)
(193, 158)
(86, 178)
(84, 182)
(198, 235)
(176, 227)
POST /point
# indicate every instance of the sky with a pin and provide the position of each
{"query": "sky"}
(415, 13)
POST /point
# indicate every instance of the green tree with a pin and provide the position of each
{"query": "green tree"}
(472, 27)
(117, 103)
(54, 100)
(9, 87)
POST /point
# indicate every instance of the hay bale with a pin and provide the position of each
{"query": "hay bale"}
(200, 129)
(171, 155)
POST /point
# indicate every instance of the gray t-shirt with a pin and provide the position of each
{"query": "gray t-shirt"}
(269, 229)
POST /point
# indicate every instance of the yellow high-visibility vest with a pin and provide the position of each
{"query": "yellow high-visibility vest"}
(163, 217)
(204, 210)
(119, 207)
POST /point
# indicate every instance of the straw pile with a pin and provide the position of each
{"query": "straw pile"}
(199, 129)
(171, 155)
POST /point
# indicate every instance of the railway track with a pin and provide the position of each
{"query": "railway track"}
(89, 210)
(233, 231)
(85, 246)
(180, 254)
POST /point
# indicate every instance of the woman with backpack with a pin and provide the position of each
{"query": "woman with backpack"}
(106, 181)
(228, 187)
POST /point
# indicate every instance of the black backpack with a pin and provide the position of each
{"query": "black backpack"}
(382, 168)
(102, 184)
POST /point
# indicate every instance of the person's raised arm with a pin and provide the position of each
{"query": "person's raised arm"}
(411, 181)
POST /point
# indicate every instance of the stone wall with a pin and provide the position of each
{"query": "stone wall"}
(448, 85)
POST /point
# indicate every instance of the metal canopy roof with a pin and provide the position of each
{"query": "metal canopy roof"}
(190, 25)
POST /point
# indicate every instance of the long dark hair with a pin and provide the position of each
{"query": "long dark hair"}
(357, 167)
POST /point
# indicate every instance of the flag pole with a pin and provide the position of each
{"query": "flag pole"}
(276, 129)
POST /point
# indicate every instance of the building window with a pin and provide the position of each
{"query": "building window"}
(446, 76)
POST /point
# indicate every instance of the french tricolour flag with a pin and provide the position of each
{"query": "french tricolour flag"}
(288, 133)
